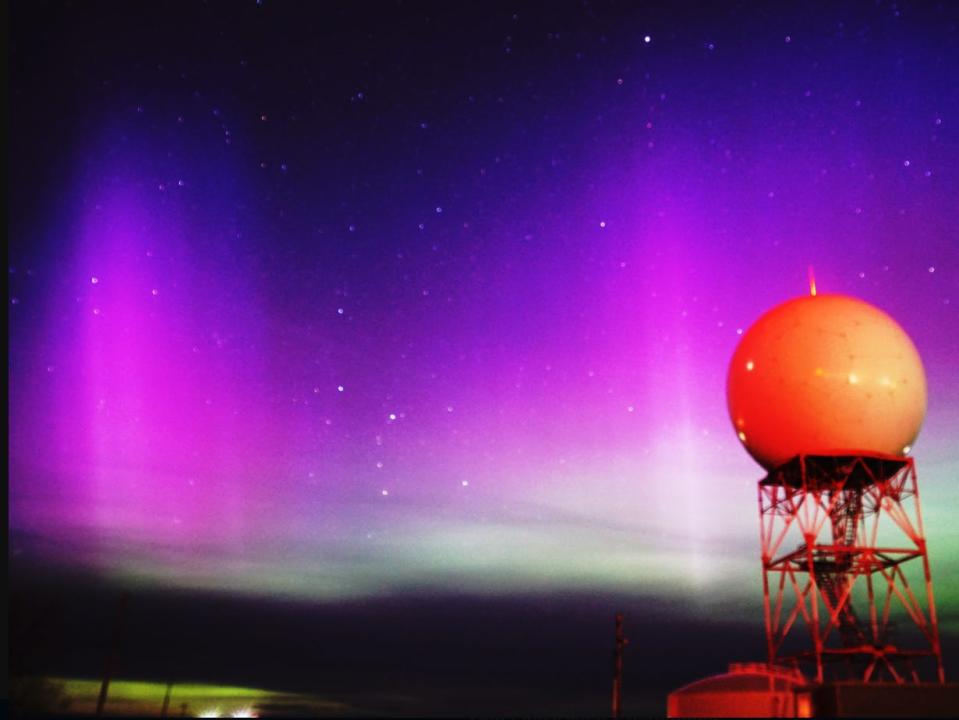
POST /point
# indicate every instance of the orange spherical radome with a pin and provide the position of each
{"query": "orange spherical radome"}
(825, 375)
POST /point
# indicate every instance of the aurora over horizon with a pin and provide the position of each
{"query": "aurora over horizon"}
(332, 304)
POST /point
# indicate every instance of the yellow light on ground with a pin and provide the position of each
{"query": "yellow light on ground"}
(143, 698)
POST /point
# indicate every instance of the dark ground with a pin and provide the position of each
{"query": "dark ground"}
(417, 654)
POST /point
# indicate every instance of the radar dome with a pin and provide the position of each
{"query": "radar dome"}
(825, 375)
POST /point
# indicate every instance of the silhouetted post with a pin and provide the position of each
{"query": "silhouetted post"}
(621, 642)
(112, 655)
(166, 699)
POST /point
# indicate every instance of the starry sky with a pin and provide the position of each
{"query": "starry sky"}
(342, 303)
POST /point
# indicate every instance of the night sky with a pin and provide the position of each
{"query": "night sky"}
(378, 350)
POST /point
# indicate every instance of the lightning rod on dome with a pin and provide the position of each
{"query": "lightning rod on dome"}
(812, 282)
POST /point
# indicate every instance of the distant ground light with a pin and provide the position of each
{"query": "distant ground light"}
(133, 697)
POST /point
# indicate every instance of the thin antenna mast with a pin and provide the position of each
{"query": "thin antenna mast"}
(112, 656)
(621, 642)
(166, 699)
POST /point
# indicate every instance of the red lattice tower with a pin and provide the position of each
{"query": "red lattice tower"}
(841, 538)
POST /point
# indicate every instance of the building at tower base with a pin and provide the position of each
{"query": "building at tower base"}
(756, 690)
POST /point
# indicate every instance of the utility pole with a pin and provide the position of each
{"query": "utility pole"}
(621, 642)
(166, 699)
(112, 655)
